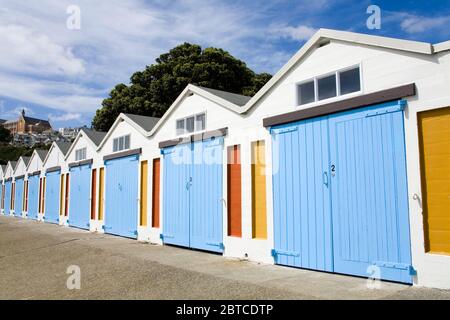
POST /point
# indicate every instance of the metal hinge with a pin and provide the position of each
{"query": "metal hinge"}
(283, 130)
(162, 236)
(399, 107)
(398, 266)
(134, 232)
(275, 253)
(216, 244)
(106, 228)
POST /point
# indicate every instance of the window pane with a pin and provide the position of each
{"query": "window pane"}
(190, 124)
(327, 87)
(200, 122)
(306, 93)
(115, 145)
(127, 142)
(180, 126)
(350, 81)
(121, 143)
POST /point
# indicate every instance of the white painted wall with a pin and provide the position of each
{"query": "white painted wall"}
(381, 69)
(137, 140)
(54, 158)
(82, 141)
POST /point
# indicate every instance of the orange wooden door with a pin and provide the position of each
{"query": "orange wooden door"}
(234, 191)
(156, 193)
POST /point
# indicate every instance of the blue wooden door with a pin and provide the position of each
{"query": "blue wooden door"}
(177, 167)
(301, 195)
(193, 195)
(369, 188)
(80, 186)
(52, 197)
(121, 196)
(33, 197)
(206, 196)
(18, 199)
(7, 197)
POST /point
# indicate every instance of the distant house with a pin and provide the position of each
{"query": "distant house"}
(27, 125)
(2, 121)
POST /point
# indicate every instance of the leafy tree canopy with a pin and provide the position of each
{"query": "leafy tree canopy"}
(5, 134)
(153, 90)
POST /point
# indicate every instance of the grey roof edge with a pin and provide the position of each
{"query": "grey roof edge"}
(235, 98)
(145, 122)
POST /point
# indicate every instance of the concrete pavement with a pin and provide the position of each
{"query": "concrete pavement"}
(34, 258)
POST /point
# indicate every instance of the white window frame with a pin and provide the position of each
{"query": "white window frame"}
(338, 87)
(123, 138)
(83, 152)
(196, 130)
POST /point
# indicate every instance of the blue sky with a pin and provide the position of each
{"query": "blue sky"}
(63, 75)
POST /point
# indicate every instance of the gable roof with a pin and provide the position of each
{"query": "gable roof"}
(25, 160)
(42, 154)
(95, 136)
(63, 146)
(231, 101)
(146, 123)
(12, 164)
(142, 124)
(237, 99)
(325, 35)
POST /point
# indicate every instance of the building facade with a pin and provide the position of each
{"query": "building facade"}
(27, 125)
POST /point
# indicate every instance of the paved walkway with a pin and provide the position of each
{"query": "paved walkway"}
(34, 258)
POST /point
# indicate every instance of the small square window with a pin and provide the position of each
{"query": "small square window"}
(305, 93)
(350, 81)
(121, 143)
(327, 87)
(190, 124)
(200, 122)
(180, 127)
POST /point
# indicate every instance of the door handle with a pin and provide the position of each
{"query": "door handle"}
(325, 178)
(189, 184)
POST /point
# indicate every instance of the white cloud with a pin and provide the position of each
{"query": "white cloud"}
(419, 24)
(46, 63)
(52, 94)
(298, 33)
(32, 52)
(65, 117)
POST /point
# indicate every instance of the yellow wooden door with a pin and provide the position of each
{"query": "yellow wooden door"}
(434, 137)
(144, 193)
(259, 209)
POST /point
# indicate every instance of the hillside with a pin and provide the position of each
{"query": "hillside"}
(8, 152)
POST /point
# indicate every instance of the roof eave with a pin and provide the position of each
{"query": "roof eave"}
(345, 36)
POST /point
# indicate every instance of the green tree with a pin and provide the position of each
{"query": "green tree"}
(153, 90)
(5, 134)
